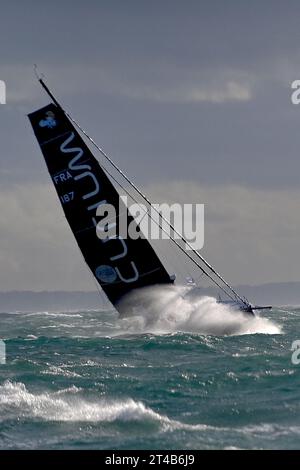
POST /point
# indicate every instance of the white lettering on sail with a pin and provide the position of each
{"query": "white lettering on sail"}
(67, 197)
(76, 166)
(131, 279)
(72, 163)
(95, 206)
(97, 186)
(125, 249)
(62, 177)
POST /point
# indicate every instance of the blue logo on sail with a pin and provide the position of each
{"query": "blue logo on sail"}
(106, 273)
(49, 121)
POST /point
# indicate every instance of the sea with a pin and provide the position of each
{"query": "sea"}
(180, 374)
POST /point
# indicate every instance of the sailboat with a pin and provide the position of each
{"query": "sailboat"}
(119, 265)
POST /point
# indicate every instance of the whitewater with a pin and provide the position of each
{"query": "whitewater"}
(177, 372)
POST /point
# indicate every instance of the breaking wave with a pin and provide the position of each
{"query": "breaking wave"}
(163, 310)
(69, 405)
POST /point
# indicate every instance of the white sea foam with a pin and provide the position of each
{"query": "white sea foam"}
(173, 309)
(272, 430)
(55, 370)
(54, 314)
(69, 405)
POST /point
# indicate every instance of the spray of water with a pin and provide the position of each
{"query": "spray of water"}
(163, 310)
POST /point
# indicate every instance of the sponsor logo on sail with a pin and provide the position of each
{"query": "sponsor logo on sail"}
(106, 273)
(49, 120)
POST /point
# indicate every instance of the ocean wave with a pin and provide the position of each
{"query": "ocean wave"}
(54, 314)
(69, 405)
(269, 430)
(63, 371)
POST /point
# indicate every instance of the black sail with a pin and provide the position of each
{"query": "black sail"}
(118, 264)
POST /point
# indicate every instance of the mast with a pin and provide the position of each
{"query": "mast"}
(233, 294)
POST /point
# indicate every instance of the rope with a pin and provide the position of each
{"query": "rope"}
(235, 294)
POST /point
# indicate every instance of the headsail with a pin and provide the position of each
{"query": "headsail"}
(119, 265)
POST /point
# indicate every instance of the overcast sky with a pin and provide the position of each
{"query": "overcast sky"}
(190, 98)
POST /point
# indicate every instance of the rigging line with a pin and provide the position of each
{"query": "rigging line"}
(237, 296)
(165, 231)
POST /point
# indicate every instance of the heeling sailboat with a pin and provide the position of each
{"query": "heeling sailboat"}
(82, 184)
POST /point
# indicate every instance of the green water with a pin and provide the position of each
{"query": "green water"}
(87, 380)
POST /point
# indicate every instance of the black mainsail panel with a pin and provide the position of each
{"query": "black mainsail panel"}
(118, 264)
